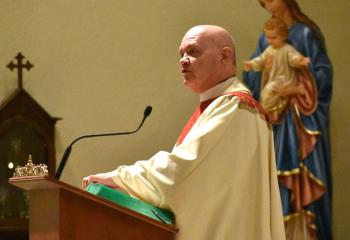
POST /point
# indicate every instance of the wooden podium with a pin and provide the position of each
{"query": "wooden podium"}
(58, 211)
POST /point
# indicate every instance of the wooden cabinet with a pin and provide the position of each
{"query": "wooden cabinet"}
(25, 128)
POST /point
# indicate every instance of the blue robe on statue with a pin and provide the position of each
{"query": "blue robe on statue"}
(305, 180)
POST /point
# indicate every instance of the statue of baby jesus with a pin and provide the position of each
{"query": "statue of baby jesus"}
(278, 64)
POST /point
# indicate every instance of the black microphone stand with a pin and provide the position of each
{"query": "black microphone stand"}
(68, 150)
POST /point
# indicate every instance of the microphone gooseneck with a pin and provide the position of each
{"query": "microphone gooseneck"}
(68, 150)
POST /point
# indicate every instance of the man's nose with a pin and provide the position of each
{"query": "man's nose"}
(184, 60)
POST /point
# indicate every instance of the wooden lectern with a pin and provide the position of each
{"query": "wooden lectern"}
(58, 211)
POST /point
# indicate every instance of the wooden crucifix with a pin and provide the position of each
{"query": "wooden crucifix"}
(20, 65)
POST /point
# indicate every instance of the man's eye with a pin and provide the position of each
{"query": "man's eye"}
(193, 53)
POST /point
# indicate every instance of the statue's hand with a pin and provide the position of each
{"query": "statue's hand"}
(247, 66)
(304, 61)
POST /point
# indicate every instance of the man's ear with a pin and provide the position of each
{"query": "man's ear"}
(226, 55)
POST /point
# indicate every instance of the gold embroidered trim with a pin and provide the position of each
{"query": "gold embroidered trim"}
(297, 214)
(297, 171)
(312, 176)
(308, 131)
(288, 173)
(307, 213)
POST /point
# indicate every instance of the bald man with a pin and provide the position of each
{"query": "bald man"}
(220, 178)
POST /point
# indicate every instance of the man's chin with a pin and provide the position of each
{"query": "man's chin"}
(190, 86)
(185, 81)
(188, 82)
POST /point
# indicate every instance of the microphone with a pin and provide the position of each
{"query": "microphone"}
(68, 150)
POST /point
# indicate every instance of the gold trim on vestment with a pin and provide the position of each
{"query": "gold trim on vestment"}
(288, 173)
(297, 214)
(312, 176)
(297, 171)
(303, 213)
(308, 131)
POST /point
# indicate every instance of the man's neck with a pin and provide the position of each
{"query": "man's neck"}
(216, 90)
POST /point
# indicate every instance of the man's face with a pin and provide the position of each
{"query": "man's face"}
(200, 61)
(274, 38)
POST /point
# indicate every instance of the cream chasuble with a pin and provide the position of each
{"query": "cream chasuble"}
(221, 180)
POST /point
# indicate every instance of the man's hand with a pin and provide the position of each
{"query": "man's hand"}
(102, 178)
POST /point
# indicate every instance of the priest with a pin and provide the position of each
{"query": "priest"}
(220, 178)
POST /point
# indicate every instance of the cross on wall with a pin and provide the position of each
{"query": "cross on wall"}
(20, 65)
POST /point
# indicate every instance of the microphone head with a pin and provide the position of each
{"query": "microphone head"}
(148, 111)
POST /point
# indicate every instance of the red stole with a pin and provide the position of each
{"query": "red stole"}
(243, 98)
(200, 108)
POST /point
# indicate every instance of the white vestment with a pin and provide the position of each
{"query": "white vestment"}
(221, 181)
